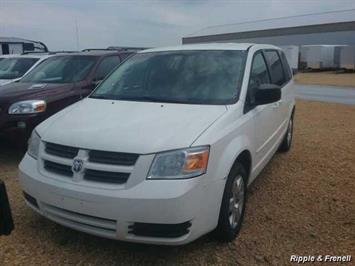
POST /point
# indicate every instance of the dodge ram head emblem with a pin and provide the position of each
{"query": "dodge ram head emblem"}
(77, 165)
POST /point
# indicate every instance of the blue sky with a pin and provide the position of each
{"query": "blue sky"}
(138, 23)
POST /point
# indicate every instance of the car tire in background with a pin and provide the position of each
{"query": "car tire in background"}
(6, 222)
(233, 205)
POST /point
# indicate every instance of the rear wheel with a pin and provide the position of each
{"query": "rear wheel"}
(233, 204)
(287, 141)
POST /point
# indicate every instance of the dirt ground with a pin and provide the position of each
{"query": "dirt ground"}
(303, 203)
(327, 78)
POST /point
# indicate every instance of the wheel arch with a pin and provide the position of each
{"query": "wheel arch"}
(245, 159)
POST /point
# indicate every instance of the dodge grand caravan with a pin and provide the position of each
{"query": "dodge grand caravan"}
(165, 147)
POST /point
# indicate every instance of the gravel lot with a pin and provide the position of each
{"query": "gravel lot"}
(302, 203)
(327, 78)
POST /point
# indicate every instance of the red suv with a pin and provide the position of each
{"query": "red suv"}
(59, 81)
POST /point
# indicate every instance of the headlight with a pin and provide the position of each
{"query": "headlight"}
(179, 164)
(33, 144)
(28, 107)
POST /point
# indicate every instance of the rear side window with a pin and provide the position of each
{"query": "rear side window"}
(275, 67)
(106, 66)
(286, 66)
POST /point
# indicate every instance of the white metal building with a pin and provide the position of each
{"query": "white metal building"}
(336, 27)
(290, 33)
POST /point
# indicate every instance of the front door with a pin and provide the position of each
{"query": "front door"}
(266, 117)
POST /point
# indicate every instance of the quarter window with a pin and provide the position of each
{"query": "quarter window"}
(275, 66)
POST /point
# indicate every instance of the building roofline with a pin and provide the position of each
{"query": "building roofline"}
(317, 28)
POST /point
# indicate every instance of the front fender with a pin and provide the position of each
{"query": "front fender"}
(228, 153)
(228, 137)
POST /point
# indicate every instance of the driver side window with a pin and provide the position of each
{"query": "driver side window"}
(258, 75)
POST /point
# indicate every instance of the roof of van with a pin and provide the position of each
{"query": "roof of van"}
(202, 46)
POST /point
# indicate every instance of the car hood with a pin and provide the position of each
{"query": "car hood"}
(33, 91)
(127, 126)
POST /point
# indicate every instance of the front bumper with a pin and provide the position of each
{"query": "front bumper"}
(18, 125)
(114, 213)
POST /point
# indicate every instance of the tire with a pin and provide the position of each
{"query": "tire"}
(286, 143)
(228, 225)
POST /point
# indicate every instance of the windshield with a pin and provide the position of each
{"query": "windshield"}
(197, 77)
(11, 68)
(61, 69)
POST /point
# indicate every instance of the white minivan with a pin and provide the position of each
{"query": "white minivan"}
(163, 150)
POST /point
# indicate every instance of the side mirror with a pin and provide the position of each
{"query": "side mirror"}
(267, 93)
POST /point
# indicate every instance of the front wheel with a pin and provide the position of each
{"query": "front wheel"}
(233, 205)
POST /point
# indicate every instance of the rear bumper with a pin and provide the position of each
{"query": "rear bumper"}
(171, 212)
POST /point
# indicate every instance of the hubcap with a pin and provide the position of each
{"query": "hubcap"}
(236, 201)
(289, 132)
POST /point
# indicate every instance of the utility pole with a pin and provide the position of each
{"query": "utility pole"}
(77, 34)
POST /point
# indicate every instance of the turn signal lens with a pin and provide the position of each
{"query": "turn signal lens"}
(41, 107)
(196, 161)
